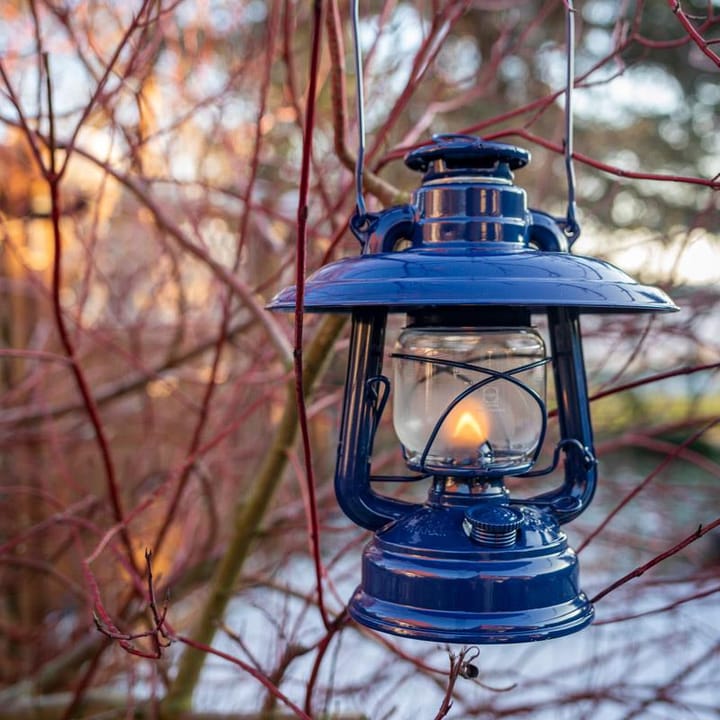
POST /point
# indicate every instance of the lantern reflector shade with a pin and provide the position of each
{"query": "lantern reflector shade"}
(474, 275)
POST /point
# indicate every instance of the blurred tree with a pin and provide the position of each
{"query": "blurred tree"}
(152, 154)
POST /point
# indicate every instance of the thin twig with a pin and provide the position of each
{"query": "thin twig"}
(460, 666)
(637, 572)
(692, 32)
(658, 611)
(669, 458)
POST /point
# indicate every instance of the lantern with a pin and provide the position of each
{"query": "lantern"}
(468, 265)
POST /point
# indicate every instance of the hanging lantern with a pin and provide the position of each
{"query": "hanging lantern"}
(468, 264)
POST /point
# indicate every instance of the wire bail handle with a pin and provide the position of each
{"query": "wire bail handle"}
(360, 209)
(570, 225)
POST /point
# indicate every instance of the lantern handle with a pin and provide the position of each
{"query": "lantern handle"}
(571, 226)
(360, 208)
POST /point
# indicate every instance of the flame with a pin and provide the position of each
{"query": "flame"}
(467, 427)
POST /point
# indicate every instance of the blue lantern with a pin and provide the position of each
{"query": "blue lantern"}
(468, 264)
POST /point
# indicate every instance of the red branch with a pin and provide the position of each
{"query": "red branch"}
(211, 384)
(53, 177)
(460, 666)
(659, 610)
(653, 379)
(637, 572)
(249, 669)
(667, 460)
(714, 183)
(161, 635)
(690, 29)
(302, 216)
(340, 621)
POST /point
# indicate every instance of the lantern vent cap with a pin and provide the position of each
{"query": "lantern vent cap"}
(452, 153)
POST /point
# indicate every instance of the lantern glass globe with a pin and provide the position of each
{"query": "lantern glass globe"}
(462, 404)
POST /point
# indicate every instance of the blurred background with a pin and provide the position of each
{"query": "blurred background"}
(150, 155)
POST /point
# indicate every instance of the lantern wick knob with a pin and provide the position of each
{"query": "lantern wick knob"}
(493, 526)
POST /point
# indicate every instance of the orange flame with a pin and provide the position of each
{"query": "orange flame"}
(467, 426)
(469, 429)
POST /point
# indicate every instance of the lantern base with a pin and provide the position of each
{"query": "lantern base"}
(425, 578)
(478, 628)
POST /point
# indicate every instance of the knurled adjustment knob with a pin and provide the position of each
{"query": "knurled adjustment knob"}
(494, 525)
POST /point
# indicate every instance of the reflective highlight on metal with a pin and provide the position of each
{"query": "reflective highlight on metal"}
(472, 564)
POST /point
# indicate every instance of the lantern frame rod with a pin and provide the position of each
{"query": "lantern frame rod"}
(361, 208)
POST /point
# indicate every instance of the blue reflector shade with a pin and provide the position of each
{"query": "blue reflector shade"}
(479, 275)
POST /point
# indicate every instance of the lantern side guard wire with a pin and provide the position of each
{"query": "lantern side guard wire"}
(580, 477)
(563, 444)
(356, 498)
(378, 401)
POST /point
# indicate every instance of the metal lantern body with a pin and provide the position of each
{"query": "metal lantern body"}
(468, 263)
